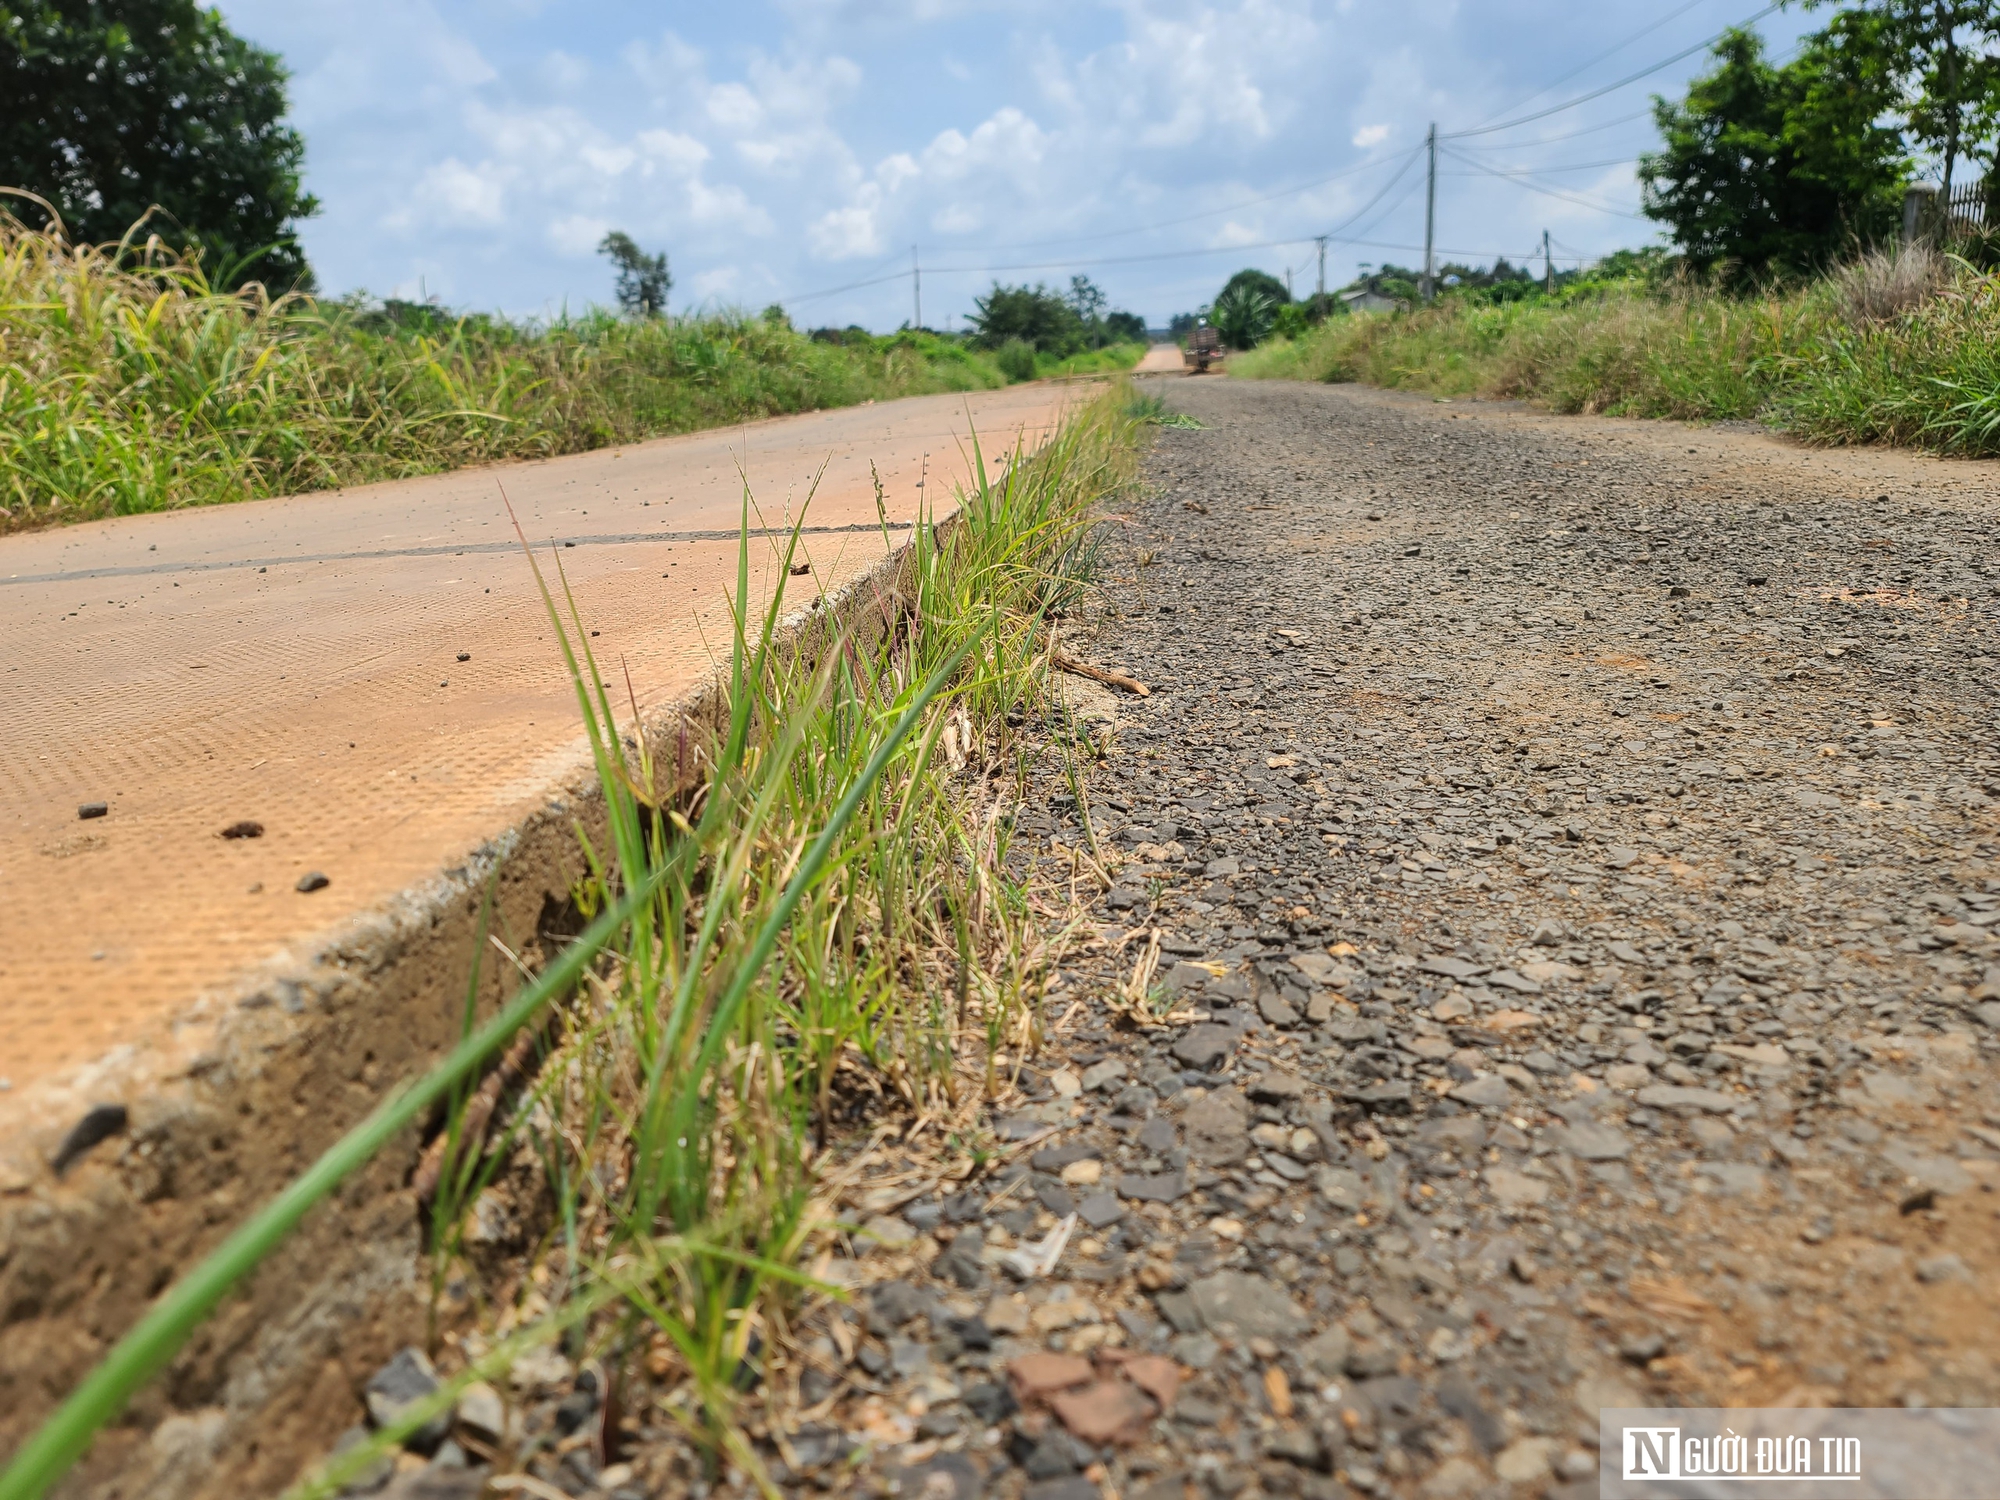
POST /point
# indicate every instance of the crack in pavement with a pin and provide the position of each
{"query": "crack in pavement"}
(464, 549)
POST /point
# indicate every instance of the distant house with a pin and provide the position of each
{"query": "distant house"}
(1367, 299)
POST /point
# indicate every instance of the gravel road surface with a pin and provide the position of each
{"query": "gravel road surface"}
(1577, 842)
(1559, 863)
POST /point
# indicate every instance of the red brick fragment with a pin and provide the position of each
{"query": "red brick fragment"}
(1157, 1376)
(1040, 1374)
(1109, 1411)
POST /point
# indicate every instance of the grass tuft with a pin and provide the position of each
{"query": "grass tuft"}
(807, 917)
(129, 384)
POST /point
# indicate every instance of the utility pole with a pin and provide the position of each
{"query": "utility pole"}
(1288, 283)
(1430, 212)
(1548, 265)
(916, 291)
(1321, 299)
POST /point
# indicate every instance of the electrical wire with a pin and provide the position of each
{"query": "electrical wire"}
(1599, 93)
(1113, 260)
(1061, 265)
(1058, 265)
(1574, 166)
(1398, 202)
(1527, 181)
(1550, 140)
(1207, 213)
(852, 286)
(1610, 51)
(1348, 222)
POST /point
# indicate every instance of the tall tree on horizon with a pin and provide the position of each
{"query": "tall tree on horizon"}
(643, 280)
(115, 107)
(1940, 54)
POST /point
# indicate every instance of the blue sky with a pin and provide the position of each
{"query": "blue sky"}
(477, 150)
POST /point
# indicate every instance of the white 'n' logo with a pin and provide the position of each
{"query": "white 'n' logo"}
(1652, 1452)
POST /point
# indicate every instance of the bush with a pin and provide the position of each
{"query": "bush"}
(1292, 321)
(129, 384)
(1885, 284)
(1125, 328)
(1890, 349)
(1016, 359)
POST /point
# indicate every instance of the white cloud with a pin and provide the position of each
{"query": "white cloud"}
(576, 235)
(734, 107)
(843, 233)
(485, 149)
(679, 154)
(452, 192)
(718, 283)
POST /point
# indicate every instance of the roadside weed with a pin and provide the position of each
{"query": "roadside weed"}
(805, 918)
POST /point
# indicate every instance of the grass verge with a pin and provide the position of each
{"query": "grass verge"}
(800, 920)
(128, 385)
(1892, 349)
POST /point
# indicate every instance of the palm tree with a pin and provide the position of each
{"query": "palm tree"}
(1243, 316)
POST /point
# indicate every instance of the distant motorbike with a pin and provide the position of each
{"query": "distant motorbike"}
(1204, 348)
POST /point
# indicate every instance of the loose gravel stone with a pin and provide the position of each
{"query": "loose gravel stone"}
(1247, 1306)
(405, 1379)
(1576, 987)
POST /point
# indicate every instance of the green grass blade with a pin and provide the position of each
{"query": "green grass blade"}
(158, 1336)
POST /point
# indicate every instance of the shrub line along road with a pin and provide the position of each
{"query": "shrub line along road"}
(370, 677)
(1576, 843)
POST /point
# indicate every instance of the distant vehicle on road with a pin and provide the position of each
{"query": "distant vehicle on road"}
(1204, 348)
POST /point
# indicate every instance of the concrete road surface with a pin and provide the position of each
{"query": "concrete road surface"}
(369, 678)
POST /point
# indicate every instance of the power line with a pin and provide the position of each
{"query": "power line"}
(1207, 213)
(852, 286)
(1408, 162)
(1573, 166)
(1599, 93)
(1609, 51)
(1527, 181)
(1065, 264)
(1550, 140)
(1396, 203)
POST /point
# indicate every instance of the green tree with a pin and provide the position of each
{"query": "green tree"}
(1939, 56)
(1033, 314)
(1779, 168)
(643, 280)
(1087, 300)
(110, 109)
(1244, 313)
(1125, 328)
(1257, 281)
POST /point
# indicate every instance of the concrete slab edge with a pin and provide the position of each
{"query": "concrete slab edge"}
(255, 1080)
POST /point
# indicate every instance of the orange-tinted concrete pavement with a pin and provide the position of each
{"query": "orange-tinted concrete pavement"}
(370, 676)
